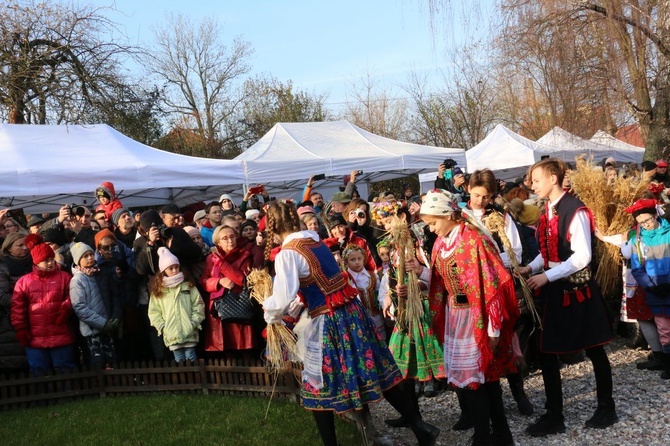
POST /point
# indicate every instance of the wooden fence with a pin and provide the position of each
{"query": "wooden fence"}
(229, 377)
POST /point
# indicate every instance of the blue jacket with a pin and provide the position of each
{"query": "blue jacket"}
(650, 265)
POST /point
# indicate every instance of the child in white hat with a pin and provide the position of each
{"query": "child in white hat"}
(176, 309)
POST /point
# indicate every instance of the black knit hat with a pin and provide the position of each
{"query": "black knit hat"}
(336, 220)
(149, 218)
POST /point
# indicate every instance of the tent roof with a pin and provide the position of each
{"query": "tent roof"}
(606, 139)
(292, 151)
(562, 139)
(46, 166)
(507, 153)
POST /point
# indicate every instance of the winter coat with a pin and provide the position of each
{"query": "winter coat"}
(93, 301)
(652, 271)
(12, 354)
(41, 305)
(177, 314)
(114, 203)
(350, 238)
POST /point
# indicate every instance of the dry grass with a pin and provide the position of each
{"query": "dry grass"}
(608, 204)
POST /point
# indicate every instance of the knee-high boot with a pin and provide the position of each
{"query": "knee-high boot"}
(407, 388)
(515, 381)
(426, 434)
(464, 420)
(325, 422)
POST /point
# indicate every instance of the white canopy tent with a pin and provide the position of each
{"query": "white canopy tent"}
(606, 139)
(46, 166)
(287, 155)
(564, 140)
(503, 151)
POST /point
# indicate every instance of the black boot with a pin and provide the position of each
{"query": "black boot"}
(665, 374)
(464, 421)
(426, 434)
(430, 388)
(547, 424)
(515, 381)
(655, 361)
(407, 388)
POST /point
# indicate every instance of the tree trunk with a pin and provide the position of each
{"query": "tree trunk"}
(658, 143)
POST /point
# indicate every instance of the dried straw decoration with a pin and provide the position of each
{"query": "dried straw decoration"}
(280, 339)
(410, 309)
(495, 222)
(608, 204)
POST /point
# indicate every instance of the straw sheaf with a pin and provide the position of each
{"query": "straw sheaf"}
(608, 204)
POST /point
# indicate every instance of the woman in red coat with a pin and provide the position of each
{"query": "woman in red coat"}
(41, 310)
(226, 268)
(343, 236)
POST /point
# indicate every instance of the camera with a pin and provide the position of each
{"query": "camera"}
(256, 190)
(321, 176)
(76, 210)
(163, 230)
(359, 172)
(449, 163)
(359, 213)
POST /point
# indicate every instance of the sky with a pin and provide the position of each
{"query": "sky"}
(321, 46)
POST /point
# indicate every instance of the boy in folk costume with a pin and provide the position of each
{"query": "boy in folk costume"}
(474, 305)
(574, 314)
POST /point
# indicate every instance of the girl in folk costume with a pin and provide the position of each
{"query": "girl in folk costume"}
(366, 283)
(573, 311)
(483, 187)
(346, 364)
(472, 297)
(413, 342)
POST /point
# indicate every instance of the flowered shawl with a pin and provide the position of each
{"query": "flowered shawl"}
(489, 288)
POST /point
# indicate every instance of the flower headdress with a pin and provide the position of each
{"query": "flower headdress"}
(350, 248)
(384, 209)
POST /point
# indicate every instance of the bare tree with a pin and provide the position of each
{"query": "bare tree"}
(202, 76)
(54, 62)
(268, 101)
(375, 109)
(464, 111)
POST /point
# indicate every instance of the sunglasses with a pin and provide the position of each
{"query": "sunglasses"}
(107, 247)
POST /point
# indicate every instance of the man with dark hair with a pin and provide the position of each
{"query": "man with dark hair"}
(574, 313)
(648, 170)
(214, 215)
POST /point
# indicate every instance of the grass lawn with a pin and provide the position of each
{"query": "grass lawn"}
(181, 420)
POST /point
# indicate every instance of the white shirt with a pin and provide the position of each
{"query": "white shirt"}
(290, 266)
(512, 235)
(580, 244)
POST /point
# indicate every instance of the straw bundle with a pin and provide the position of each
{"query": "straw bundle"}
(495, 223)
(410, 309)
(280, 340)
(608, 205)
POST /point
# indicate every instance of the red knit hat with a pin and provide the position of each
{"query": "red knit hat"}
(643, 206)
(39, 250)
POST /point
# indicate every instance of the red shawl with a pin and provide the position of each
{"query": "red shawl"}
(489, 287)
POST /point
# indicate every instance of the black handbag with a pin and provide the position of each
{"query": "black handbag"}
(234, 307)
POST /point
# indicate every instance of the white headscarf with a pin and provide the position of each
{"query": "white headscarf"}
(440, 203)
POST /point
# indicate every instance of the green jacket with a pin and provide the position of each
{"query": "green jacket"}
(177, 314)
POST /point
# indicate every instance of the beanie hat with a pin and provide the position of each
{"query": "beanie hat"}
(148, 218)
(166, 258)
(305, 210)
(102, 234)
(529, 215)
(39, 250)
(251, 212)
(225, 197)
(336, 220)
(78, 250)
(191, 231)
(247, 223)
(54, 235)
(116, 215)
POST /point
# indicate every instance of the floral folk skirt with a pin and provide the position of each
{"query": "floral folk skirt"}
(418, 353)
(357, 365)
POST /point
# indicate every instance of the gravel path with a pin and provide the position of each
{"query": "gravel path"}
(642, 398)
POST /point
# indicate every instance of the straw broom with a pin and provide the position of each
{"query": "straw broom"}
(495, 223)
(280, 340)
(410, 309)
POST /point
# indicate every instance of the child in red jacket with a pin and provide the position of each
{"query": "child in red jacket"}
(41, 309)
